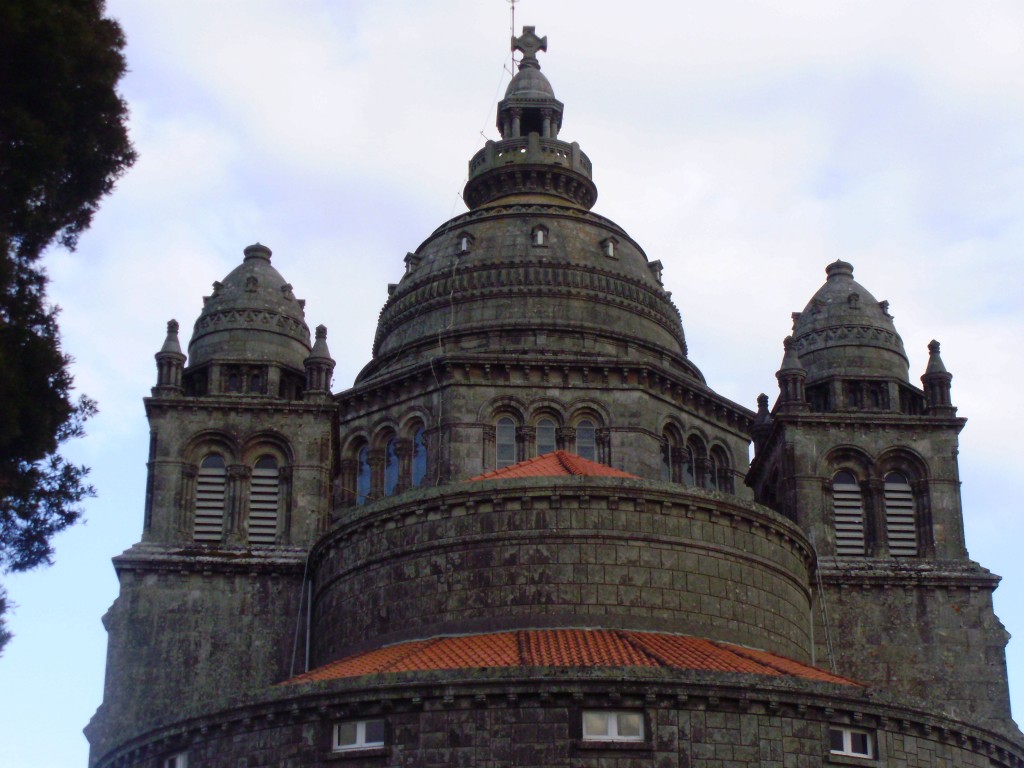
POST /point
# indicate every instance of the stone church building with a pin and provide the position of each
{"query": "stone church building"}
(530, 534)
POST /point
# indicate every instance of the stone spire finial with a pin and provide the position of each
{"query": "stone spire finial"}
(528, 44)
(319, 365)
(170, 362)
(791, 377)
(762, 422)
(937, 381)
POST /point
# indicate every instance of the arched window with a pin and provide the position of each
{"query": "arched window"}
(546, 436)
(505, 443)
(719, 476)
(363, 475)
(264, 501)
(848, 509)
(211, 485)
(586, 440)
(419, 457)
(390, 467)
(900, 524)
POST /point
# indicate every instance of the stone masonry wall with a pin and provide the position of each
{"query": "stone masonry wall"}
(562, 552)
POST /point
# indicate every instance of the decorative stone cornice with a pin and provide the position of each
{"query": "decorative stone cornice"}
(321, 704)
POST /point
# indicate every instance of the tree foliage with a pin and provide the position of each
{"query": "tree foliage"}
(63, 145)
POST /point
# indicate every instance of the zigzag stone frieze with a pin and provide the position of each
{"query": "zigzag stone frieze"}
(235, 318)
(849, 334)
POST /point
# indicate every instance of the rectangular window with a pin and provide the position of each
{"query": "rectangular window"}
(358, 734)
(851, 742)
(604, 725)
(179, 760)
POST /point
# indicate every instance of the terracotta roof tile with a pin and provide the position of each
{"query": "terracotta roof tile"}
(554, 464)
(465, 652)
(580, 648)
(568, 648)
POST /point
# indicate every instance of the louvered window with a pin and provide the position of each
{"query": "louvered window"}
(211, 485)
(849, 515)
(264, 501)
(900, 525)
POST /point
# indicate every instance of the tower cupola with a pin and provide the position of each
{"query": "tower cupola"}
(251, 336)
(530, 164)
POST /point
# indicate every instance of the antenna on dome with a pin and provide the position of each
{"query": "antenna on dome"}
(512, 28)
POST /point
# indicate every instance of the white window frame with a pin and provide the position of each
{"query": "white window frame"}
(612, 719)
(847, 750)
(179, 760)
(360, 742)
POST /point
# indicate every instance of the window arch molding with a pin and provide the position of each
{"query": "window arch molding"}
(587, 426)
(671, 447)
(265, 517)
(385, 461)
(905, 502)
(355, 469)
(546, 426)
(720, 468)
(209, 493)
(849, 475)
(415, 458)
(695, 459)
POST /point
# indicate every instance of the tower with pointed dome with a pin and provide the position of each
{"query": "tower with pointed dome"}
(529, 534)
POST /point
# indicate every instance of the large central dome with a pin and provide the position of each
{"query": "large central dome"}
(530, 271)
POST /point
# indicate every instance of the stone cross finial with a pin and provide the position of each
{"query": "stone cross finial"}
(529, 44)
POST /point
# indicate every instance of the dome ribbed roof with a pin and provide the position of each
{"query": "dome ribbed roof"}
(252, 315)
(844, 331)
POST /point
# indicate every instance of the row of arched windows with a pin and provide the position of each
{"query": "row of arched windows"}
(691, 463)
(870, 520)
(387, 465)
(261, 518)
(515, 442)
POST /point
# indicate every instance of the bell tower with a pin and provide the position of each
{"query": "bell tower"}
(238, 486)
(866, 464)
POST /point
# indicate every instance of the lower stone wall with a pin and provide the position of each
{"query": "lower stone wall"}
(190, 634)
(737, 722)
(920, 629)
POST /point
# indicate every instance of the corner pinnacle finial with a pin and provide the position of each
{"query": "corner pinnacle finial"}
(528, 44)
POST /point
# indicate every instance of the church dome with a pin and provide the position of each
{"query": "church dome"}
(529, 83)
(252, 315)
(844, 331)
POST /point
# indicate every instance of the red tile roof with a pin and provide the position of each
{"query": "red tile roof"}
(554, 464)
(568, 648)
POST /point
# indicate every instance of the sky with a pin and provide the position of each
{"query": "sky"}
(744, 144)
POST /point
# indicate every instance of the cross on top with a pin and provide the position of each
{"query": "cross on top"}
(529, 44)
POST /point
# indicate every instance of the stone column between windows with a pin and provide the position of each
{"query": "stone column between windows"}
(873, 503)
(377, 459)
(284, 504)
(347, 482)
(923, 520)
(185, 503)
(236, 503)
(526, 442)
(403, 450)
